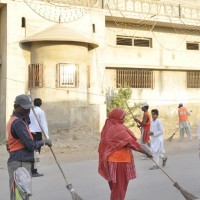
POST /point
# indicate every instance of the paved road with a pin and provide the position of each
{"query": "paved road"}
(149, 185)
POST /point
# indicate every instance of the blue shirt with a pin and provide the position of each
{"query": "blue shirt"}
(19, 131)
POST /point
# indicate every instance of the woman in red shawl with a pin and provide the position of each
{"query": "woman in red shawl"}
(116, 162)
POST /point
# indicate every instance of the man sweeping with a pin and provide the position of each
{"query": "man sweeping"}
(145, 127)
(20, 143)
(184, 125)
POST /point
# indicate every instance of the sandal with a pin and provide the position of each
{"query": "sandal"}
(164, 161)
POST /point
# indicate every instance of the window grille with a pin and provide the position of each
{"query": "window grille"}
(133, 41)
(134, 78)
(142, 42)
(35, 75)
(192, 46)
(193, 79)
(124, 41)
(67, 75)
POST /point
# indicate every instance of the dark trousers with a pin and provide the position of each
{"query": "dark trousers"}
(37, 137)
(12, 166)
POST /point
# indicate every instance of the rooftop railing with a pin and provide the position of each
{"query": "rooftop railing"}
(160, 8)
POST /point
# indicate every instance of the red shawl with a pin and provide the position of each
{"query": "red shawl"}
(114, 136)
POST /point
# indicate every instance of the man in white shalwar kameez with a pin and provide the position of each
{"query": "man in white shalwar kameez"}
(157, 142)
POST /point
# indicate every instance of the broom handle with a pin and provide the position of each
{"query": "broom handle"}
(162, 170)
(50, 147)
(152, 158)
(174, 133)
(131, 113)
(129, 109)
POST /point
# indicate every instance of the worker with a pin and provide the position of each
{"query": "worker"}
(144, 126)
(116, 162)
(184, 125)
(20, 143)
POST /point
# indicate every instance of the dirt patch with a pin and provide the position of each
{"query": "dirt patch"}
(82, 144)
(74, 144)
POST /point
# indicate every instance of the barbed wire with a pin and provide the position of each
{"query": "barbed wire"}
(182, 30)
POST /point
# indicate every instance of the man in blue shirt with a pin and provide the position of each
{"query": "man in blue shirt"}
(20, 140)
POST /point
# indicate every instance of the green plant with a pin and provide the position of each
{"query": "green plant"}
(120, 98)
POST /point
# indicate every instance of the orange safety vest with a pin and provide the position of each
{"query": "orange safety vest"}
(13, 143)
(149, 118)
(146, 129)
(182, 113)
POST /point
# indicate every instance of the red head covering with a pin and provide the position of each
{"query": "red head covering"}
(117, 114)
(114, 136)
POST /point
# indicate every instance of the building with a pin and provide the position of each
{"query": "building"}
(70, 56)
(153, 46)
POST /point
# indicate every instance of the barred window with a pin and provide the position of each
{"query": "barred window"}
(142, 42)
(192, 46)
(124, 41)
(193, 79)
(133, 41)
(35, 75)
(135, 78)
(67, 75)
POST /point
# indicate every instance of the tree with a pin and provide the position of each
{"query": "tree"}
(121, 99)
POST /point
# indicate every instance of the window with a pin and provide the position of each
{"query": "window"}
(124, 41)
(35, 75)
(142, 42)
(133, 41)
(67, 75)
(193, 79)
(135, 78)
(192, 46)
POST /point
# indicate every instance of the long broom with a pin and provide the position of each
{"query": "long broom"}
(69, 186)
(138, 125)
(171, 137)
(185, 193)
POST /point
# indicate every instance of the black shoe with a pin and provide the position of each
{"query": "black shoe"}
(36, 174)
(164, 161)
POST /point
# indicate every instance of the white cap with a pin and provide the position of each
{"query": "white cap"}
(144, 104)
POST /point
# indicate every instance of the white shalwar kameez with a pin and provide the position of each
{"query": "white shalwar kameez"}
(157, 142)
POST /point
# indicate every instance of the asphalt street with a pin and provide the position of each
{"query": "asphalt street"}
(149, 184)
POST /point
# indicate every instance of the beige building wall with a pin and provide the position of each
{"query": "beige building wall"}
(76, 107)
(70, 106)
(3, 67)
(168, 58)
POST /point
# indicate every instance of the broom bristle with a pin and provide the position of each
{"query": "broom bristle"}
(74, 195)
(185, 193)
(170, 138)
(188, 195)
